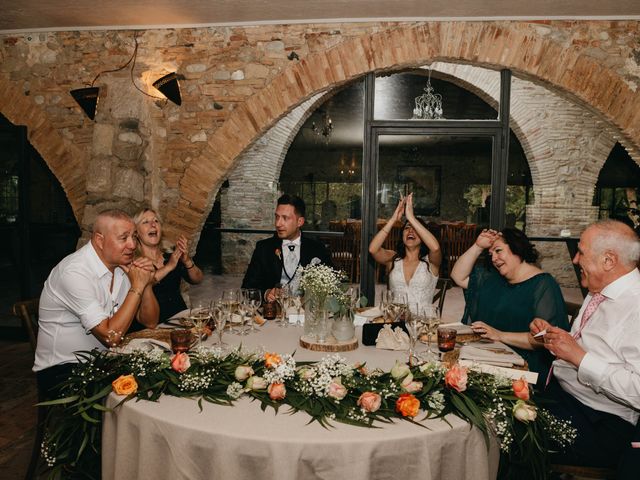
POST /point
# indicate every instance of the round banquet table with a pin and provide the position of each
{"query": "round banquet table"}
(173, 439)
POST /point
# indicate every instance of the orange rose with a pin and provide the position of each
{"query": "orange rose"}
(125, 385)
(456, 378)
(271, 360)
(521, 389)
(407, 405)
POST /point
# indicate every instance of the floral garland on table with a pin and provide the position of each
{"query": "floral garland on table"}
(329, 390)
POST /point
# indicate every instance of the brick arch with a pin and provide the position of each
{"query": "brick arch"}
(513, 45)
(63, 159)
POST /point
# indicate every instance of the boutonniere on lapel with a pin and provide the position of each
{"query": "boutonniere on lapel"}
(279, 253)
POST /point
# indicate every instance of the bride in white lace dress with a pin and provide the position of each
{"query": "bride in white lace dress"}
(414, 266)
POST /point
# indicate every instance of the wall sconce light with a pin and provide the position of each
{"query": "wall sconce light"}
(169, 87)
(87, 98)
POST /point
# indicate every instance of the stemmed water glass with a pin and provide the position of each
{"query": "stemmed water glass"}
(282, 299)
(244, 310)
(253, 297)
(295, 301)
(199, 315)
(413, 326)
(395, 304)
(219, 314)
(431, 320)
(229, 299)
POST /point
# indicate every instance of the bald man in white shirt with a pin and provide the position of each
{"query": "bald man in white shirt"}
(596, 374)
(91, 297)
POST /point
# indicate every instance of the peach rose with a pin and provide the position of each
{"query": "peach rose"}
(243, 372)
(370, 401)
(271, 360)
(407, 405)
(409, 385)
(456, 378)
(521, 389)
(125, 385)
(524, 412)
(180, 362)
(256, 383)
(277, 391)
(337, 390)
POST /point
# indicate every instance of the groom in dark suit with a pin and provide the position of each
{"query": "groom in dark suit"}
(275, 260)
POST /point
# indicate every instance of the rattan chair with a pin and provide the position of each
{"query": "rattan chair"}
(455, 239)
(442, 286)
(27, 312)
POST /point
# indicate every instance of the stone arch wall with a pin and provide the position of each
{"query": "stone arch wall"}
(193, 147)
(529, 50)
(65, 161)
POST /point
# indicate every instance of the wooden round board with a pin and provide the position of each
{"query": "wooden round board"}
(331, 345)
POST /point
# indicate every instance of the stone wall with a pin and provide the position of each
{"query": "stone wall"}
(177, 157)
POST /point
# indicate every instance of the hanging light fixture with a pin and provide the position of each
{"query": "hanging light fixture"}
(88, 97)
(428, 106)
(325, 128)
(169, 87)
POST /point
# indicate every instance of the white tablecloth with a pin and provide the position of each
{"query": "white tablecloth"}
(173, 439)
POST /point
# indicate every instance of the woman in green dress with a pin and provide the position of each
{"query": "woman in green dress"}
(507, 293)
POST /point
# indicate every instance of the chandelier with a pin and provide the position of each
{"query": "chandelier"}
(429, 104)
(325, 128)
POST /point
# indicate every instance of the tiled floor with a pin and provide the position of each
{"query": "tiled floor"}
(17, 382)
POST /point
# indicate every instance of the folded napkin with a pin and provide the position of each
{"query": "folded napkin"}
(365, 316)
(498, 355)
(144, 344)
(388, 339)
(460, 328)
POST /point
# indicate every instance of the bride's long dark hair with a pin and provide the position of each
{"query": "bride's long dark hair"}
(401, 249)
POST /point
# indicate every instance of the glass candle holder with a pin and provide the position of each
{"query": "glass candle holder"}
(180, 340)
(446, 339)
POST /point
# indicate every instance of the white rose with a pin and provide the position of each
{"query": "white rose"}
(400, 370)
(256, 383)
(243, 372)
(524, 412)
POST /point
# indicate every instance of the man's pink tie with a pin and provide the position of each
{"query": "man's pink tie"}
(593, 304)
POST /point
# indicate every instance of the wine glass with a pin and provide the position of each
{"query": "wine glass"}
(296, 302)
(254, 299)
(413, 326)
(199, 315)
(396, 304)
(281, 296)
(244, 310)
(219, 313)
(353, 295)
(229, 298)
(431, 322)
